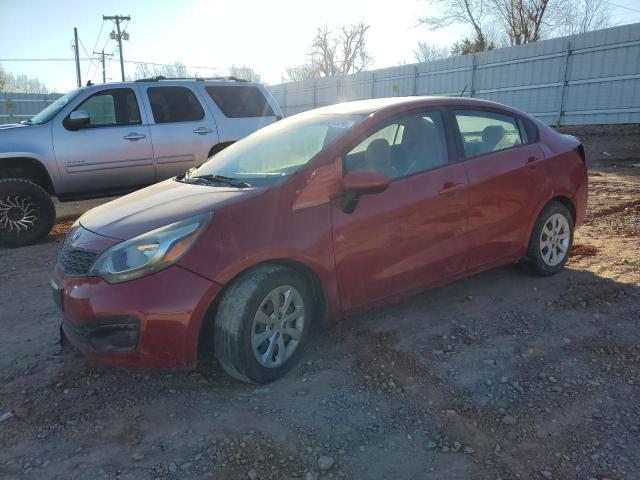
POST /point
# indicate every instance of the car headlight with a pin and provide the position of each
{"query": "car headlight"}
(149, 252)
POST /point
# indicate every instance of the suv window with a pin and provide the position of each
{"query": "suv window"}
(174, 104)
(240, 101)
(483, 132)
(411, 144)
(112, 108)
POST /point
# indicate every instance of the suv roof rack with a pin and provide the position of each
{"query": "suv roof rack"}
(200, 79)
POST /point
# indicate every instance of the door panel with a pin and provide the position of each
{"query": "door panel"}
(409, 237)
(506, 180)
(504, 191)
(183, 131)
(114, 152)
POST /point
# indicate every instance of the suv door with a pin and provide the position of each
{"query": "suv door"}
(415, 233)
(506, 182)
(183, 132)
(112, 153)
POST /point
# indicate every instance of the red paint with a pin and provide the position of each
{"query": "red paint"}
(421, 231)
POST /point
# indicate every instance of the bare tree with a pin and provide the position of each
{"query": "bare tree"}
(469, 12)
(580, 16)
(522, 20)
(335, 52)
(298, 73)
(246, 73)
(20, 83)
(427, 53)
(174, 70)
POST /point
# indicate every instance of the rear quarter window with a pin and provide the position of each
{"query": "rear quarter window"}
(240, 101)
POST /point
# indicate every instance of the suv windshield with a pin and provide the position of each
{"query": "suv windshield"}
(277, 151)
(48, 113)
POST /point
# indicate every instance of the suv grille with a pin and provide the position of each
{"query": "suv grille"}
(76, 261)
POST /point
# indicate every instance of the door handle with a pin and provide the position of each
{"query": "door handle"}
(134, 136)
(449, 187)
(202, 130)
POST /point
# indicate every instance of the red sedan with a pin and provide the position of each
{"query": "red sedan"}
(321, 215)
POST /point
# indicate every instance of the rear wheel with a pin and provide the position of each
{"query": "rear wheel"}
(551, 240)
(262, 323)
(27, 213)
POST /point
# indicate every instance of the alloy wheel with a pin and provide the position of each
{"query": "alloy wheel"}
(554, 239)
(278, 326)
(17, 213)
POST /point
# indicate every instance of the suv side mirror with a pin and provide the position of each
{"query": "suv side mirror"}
(361, 182)
(77, 119)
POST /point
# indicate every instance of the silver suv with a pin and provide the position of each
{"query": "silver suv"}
(110, 139)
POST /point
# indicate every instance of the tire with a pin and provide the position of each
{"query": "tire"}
(551, 240)
(236, 324)
(27, 213)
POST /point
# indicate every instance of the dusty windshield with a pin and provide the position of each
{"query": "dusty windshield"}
(276, 151)
(51, 111)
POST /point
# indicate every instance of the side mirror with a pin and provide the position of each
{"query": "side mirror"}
(77, 119)
(363, 182)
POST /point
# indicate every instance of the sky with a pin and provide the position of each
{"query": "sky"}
(267, 36)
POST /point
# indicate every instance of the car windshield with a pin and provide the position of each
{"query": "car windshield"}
(48, 113)
(277, 151)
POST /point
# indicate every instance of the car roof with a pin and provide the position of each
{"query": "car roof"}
(367, 107)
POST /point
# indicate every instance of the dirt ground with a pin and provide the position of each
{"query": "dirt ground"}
(500, 376)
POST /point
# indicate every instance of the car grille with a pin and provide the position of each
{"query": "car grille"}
(76, 261)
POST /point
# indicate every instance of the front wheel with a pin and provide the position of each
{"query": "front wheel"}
(262, 323)
(551, 240)
(26, 212)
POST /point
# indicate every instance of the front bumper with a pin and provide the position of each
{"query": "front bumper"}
(150, 322)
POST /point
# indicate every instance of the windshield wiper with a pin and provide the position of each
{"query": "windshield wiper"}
(234, 182)
(26, 122)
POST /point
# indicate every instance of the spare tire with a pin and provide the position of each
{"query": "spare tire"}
(27, 213)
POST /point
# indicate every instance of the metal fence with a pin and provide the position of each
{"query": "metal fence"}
(15, 107)
(591, 78)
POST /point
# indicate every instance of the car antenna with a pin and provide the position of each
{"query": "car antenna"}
(463, 90)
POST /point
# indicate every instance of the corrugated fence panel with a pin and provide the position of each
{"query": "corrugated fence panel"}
(590, 78)
(15, 107)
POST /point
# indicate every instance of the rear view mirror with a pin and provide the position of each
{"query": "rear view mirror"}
(361, 182)
(77, 120)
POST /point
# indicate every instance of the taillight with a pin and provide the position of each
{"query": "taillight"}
(580, 151)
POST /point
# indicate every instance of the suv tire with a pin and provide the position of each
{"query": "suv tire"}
(253, 340)
(26, 212)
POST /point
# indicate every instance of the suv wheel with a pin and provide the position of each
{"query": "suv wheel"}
(26, 212)
(262, 323)
(551, 240)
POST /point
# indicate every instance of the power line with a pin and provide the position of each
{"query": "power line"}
(625, 7)
(88, 59)
(94, 50)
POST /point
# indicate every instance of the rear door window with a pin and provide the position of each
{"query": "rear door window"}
(484, 132)
(112, 108)
(174, 104)
(240, 101)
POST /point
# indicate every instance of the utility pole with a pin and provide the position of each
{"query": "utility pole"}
(75, 47)
(102, 55)
(119, 35)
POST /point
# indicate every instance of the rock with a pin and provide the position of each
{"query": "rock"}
(137, 456)
(173, 468)
(325, 463)
(546, 473)
(310, 476)
(431, 445)
(468, 450)
(509, 420)
(489, 361)
(252, 474)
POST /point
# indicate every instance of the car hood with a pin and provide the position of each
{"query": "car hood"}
(159, 205)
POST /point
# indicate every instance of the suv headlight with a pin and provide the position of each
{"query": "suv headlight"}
(149, 252)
